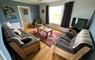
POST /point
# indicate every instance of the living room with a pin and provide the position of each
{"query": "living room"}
(41, 28)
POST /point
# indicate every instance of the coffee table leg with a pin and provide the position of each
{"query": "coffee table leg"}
(46, 34)
(51, 32)
(38, 31)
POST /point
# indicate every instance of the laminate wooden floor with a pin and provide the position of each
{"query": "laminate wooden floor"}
(45, 53)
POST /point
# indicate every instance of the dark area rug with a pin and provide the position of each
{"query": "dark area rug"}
(50, 40)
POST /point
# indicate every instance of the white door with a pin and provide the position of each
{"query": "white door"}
(25, 16)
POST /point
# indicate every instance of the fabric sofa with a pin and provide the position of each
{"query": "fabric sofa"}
(73, 48)
(22, 43)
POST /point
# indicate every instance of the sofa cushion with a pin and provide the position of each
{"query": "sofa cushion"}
(67, 38)
(17, 40)
(7, 24)
(17, 31)
(83, 37)
(70, 34)
(26, 40)
(65, 45)
(8, 32)
(72, 42)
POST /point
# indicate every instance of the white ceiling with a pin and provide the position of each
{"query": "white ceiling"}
(37, 1)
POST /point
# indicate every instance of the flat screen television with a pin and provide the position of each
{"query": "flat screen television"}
(79, 23)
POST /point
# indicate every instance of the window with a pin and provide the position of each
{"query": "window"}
(55, 14)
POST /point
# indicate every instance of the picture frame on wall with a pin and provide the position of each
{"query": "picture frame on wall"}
(25, 11)
(9, 12)
(42, 11)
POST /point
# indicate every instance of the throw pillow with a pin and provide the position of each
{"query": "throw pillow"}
(17, 31)
(26, 40)
(70, 34)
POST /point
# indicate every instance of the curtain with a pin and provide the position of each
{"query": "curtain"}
(47, 14)
(67, 14)
(90, 21)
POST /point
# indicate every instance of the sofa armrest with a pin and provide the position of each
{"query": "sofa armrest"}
(15, 39)
(24, 52)
(80, 53)
(62, 53)
(17, 49)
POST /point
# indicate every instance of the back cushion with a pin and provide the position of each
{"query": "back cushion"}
(10, 34)
(83, 37)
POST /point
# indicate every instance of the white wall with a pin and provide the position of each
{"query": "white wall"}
(3, 50)
(81, 9)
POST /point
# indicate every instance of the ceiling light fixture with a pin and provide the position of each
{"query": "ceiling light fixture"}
(40, 0)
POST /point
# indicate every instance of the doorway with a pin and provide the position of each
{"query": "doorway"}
(25, 16)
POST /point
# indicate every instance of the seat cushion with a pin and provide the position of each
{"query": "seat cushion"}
(67, 38)
(70, 34)
(8, 32)
(17, 31)
(26, 40)
(65, 45)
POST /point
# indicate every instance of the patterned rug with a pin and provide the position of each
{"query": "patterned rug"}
(50, 40)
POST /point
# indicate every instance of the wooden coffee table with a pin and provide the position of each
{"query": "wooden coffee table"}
(44, 29)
